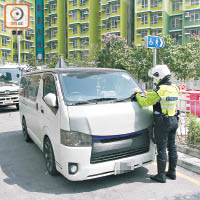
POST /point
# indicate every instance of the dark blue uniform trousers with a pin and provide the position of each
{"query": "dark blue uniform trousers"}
(165, 135)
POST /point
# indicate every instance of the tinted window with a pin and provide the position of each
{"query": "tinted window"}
(48, 85)
(33, 87)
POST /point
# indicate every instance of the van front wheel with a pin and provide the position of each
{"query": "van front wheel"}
(49, 157)
(25, 131)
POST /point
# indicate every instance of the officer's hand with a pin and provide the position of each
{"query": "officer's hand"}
(135, 91)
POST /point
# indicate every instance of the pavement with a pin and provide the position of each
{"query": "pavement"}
(189, 158)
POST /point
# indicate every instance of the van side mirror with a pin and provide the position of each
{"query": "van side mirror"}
(50, 99)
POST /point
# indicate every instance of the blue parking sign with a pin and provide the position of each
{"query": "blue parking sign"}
(154, 42)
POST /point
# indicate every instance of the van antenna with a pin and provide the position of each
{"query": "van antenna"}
(61, 63)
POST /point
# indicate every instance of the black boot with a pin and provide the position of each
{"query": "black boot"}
(160, 177)
(172, 168)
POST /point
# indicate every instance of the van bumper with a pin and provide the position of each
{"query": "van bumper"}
(81, 156)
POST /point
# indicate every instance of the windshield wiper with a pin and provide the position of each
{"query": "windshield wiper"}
(93, 101)
(132, 97)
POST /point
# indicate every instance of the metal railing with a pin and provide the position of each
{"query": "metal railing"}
(188, 131)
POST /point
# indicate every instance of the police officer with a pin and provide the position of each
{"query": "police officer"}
(164, 99)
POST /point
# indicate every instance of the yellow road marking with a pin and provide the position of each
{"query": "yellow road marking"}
(192, 180)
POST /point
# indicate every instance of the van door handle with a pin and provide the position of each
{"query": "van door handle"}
(41, 109)
(36, 106)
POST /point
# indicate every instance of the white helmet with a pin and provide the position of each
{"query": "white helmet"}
(159, 72)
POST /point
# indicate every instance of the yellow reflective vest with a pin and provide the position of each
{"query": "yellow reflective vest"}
(167, 95)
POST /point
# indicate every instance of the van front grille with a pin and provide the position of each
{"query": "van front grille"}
(115, 156)
(112, 148)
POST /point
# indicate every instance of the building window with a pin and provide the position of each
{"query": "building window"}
(176, 22)
(143, 33)
(83, 28)
(75, 29)
(39, 8)
(107, 24)
(2, 27)
(154, 18)
(194, 2)
(107, 10)
(74, 55)
(14, 45)
(84, 42)
(54, 20)
(54, 31)
(4, 41)
(39, 21)
(176, 36)
(15, 58)
(144, 3)
(27, 35)
(75, 15)
(82, 2)
(39, 32)
(194, 16)
(53, 7)
(4, 55)
(27, 45)
(154, 3)
(84, 55)
(54, 45)
(176, 5)
(144, 19)
(75, 43)
(39, 45)
(2, 11)
(74, 2)
(82, 13)
(114, 23)
(114, 7)
(193, 32)
(156, 32)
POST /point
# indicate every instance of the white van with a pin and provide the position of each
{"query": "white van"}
(9, 84)
(86, 121)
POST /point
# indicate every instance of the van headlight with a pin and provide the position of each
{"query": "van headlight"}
(75, 139)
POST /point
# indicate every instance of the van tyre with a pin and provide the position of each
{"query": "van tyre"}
(17, 106)
(25, 131)
(49, 157)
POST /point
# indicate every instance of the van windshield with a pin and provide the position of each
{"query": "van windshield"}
(93, 86)
(8, 76)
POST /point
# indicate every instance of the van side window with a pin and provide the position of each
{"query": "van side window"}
(33, 87)
(49, 85)
(24, 86)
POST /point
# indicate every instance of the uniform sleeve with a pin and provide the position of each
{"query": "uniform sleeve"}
(151, 99)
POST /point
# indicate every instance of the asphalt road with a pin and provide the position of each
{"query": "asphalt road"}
(23, 175)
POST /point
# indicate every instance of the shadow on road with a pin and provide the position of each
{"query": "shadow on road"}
(23, 164)
(8, 109)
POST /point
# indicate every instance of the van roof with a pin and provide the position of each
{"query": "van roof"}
(73, 69)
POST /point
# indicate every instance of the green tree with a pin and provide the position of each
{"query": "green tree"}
(114, 52)
(53, 60)
(32, 62)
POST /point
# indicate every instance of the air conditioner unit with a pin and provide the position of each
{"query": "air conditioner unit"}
(187, 33)
(187, 14)
(138, 34)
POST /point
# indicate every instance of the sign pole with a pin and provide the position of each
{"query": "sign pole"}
(154, 56)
